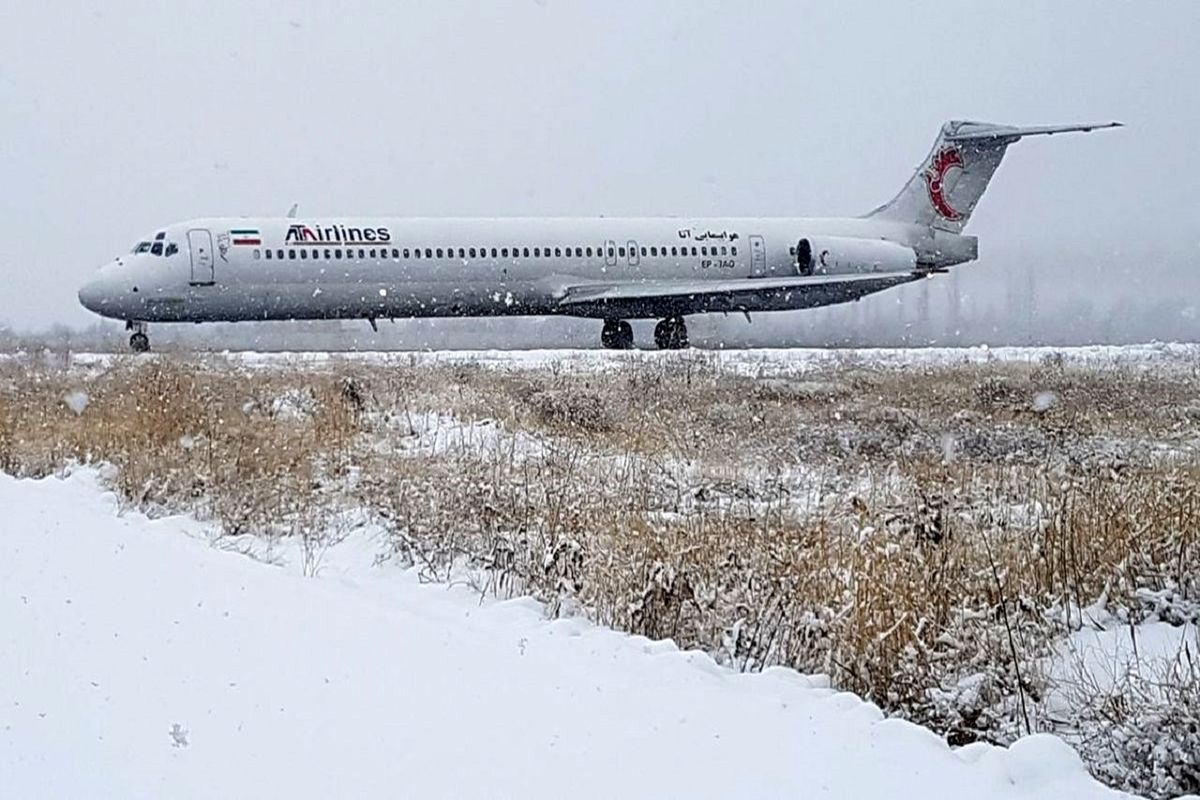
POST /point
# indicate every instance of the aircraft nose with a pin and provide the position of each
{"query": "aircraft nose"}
(93, 295)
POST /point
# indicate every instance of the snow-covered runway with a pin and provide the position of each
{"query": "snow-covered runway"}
(137, 660)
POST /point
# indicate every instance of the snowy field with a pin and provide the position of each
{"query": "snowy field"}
(750, 361)
(139, 661)
(256, 634)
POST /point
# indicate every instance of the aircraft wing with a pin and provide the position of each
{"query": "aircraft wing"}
(653, 298)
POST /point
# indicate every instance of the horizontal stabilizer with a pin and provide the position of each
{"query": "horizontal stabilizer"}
(977, 131)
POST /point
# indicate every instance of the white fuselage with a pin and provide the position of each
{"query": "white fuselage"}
(259, 269)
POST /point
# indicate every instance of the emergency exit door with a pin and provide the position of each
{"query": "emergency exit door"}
(758, 256)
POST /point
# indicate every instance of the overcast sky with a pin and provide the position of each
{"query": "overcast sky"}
(119, 117)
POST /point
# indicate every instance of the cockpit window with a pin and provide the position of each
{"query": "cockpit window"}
(158, 237)
(141, 247)
(172, 249)
(157, 249)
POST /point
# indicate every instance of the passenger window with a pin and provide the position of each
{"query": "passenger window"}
(611, 252)
(704, 250)
(724, 250)
(579, 252)
(303, 253)
(644, 253)
(654, 251)
(558, 252)
(156, 249)
(675, 251)
(257, 254)
(337, 254)
(621, 252)
(269, 254)
(462, 253)
(417, 253)
(694, 250)
(429, 252)
(362, 254)
(438, 252)
(504, 252)
(733, 250)
(525, 252)
(372, 252)
(589, 252)
(327, 255)
(406, 253)
(471, 252)
(494, 253)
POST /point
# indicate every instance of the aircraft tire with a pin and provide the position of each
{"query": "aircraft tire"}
(625, 340)
(671, 334)
(139, 343)
(617, 335)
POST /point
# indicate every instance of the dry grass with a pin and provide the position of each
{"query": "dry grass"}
(921, 536)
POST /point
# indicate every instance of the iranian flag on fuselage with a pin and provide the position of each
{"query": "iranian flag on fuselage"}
(245, 236)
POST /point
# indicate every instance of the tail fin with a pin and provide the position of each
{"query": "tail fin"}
(946, 187)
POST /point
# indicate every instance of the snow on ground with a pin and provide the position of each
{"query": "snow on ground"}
(1104, 657)
(757, 362)
(137, 660)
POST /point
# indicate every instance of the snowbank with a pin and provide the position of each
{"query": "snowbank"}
(137, 660)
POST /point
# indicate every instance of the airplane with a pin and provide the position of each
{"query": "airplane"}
(609, 269)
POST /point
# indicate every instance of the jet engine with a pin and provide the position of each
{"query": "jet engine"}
(839, 255)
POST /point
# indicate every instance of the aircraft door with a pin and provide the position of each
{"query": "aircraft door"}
(610, 253)
(634, 258)
(758, 256)
(200, 245)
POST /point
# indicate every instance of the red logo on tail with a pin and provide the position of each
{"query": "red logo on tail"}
(935, 175)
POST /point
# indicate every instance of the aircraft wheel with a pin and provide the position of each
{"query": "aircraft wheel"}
(617, 335)
(671, 334)
(139, 343)
(626, 336)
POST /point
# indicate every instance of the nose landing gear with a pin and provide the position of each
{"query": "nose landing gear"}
(671, 334)
(617, 335)
(139, 341)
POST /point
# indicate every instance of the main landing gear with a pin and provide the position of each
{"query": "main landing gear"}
(139, 341)
(617, 335)
(671, 334)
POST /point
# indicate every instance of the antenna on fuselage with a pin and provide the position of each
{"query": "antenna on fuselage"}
(292, 211)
